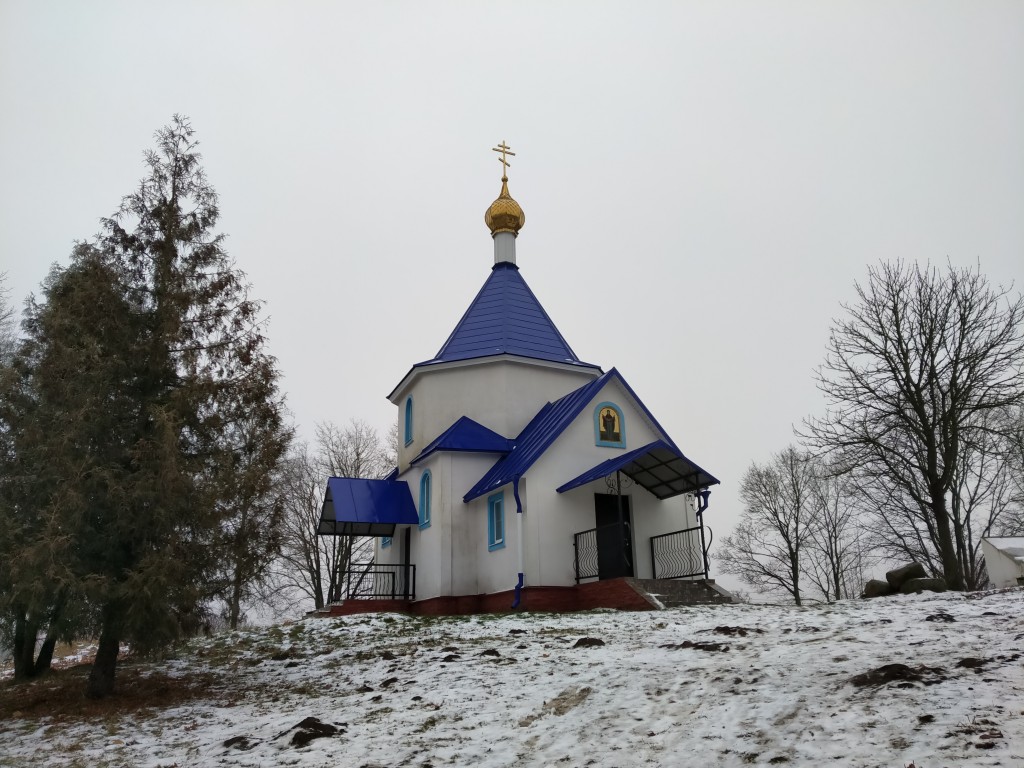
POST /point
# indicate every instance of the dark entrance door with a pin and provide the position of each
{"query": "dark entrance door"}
(614, 540)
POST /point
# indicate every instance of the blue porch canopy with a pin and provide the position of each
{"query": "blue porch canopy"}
(658, 467)
(361, 507)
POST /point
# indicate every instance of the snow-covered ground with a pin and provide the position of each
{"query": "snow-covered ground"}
(701, 686)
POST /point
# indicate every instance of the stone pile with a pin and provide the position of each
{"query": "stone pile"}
(910, 579)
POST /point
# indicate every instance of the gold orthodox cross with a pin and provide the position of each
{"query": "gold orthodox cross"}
(505, 150)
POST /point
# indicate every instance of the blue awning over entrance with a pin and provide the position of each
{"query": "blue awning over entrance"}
(361, 507)
(658, 467)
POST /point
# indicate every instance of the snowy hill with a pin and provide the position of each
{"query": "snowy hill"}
(934, 680)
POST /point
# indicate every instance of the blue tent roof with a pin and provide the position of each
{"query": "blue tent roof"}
(361, 507)
(658, 467)
(506, 318)
(467, 435)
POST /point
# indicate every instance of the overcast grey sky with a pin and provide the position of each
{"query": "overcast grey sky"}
(703, 182)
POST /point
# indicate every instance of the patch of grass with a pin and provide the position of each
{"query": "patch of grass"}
(60, 694)
(429, 723)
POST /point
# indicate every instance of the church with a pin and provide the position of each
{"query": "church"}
(527, 479)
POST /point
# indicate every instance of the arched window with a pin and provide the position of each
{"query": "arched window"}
(408, 419)
(425, 500)
(609, 426)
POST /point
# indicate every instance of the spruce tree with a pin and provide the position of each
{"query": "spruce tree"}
(165, 406)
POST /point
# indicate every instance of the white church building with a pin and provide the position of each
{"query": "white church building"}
(526, 478)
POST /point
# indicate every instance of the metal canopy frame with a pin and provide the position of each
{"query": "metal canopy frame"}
(659, 467)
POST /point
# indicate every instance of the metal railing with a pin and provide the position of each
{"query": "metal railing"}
(372, 581)
(584, 546)
(602, 552)
(680, 554)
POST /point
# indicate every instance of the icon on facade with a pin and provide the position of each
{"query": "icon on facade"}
(610, 431)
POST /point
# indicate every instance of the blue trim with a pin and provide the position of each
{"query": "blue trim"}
(425, 496)
(385, 542)
(408, 419)
(621, 442)
(496, 521)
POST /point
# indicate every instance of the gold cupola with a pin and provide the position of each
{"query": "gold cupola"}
(504, 214)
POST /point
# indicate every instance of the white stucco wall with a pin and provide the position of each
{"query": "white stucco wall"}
(503, 395)
(1001, 559)
(553, 518)
(452, 556)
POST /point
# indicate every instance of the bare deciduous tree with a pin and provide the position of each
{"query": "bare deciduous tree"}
(313, 564)
(775, 527)
(799, 532)
(837, 558)
(915, 374)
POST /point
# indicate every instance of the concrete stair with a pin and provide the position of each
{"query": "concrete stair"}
(673, 593)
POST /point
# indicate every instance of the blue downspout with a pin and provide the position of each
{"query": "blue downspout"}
(519, 519)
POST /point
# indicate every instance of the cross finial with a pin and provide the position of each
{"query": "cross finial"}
(505, 150)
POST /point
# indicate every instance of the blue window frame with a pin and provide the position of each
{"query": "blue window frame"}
(425, 500)
(609, 426)
(385, 542)
(495, 521)
(408, 419)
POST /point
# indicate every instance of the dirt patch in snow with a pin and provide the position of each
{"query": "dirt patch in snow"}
(900, 674)
(713, 647)
(736, 631)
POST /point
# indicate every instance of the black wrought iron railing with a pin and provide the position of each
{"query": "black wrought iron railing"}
(680, 554)
(602, 553)
(584, 545)
(373, 581)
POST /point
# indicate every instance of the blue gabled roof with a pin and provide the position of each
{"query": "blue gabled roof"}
(467, 435)
(545, 427)
(506, 318)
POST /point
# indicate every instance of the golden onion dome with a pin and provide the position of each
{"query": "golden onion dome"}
(504, 214)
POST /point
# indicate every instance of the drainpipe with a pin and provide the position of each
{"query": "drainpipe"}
(519, 536)
(702, 504)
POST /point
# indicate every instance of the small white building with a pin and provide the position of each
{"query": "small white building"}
(522, 472)
(1004, 560)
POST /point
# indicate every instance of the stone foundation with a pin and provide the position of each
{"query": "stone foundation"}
(625, 594)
